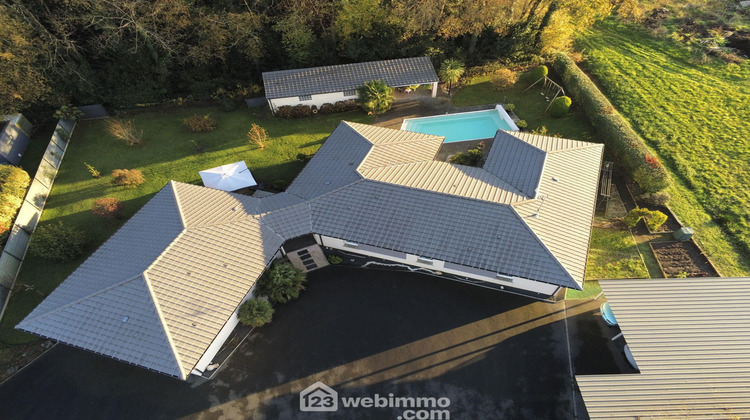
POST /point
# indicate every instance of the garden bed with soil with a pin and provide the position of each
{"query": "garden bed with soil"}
(678, 259)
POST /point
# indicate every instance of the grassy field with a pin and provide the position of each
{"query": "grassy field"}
(530, 106)
(168, 154)
(697, 118)
(614, 255)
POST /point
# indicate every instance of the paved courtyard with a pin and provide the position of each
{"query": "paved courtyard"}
(362, 332)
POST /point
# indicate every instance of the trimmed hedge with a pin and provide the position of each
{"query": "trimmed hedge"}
(13, 185)
(628, 147)
(57, 241)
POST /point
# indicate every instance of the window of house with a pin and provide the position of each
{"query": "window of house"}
(305, 98)
(352, 92)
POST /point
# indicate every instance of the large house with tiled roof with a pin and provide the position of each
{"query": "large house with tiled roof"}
(163, 292)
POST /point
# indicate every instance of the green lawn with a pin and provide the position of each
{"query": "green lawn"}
(613, 255)
(591, 289)
(530, 106)
(168, 154)
(696, 117)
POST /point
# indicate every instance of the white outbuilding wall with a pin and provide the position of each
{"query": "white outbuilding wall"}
(317, 100)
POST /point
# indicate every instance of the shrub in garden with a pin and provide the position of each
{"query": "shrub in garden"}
(504, 78)
(57, 241)
(522, 124)
(282, 282)
(200, 123)
(68, 112)
(660, 198)
(284, 111)
(509, 107)
(345, 106)
(256, 312)
(537, 73)
(93, 171)
(13, 185)
(124, 130)
(257, 136)
(299, 111)
(108, 207)
(471, 157)
(654, 218)
(128, 177)
(629, 148)
(327, 109)
(376, 97)
(334, 259)
(560, 106)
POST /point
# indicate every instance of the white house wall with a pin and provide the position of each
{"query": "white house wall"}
(317, 100)
(437, 265)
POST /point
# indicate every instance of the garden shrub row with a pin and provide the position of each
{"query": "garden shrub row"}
(627, 146)
(13, 185)
(299, 111)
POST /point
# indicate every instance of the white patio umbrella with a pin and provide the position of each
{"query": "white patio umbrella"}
(228, 177)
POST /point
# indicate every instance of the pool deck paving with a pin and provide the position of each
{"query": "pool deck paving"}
(362, 332)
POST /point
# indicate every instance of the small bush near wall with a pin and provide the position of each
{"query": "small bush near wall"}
(108, 208)
(57, 241)
(13, 185)
(256, 312)
(345, 106)
(200, 123)
(299, 111)
(327, 109)
(628, 147)
(473, 157)
(130, 178)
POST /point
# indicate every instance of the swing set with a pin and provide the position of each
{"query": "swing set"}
(548, 88)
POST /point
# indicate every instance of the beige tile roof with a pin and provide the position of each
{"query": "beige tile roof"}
(191, 254)
(690, 339)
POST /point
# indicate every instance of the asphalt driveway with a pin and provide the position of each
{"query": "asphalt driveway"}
(362, 332)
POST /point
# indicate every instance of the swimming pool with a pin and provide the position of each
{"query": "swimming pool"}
(462, 126)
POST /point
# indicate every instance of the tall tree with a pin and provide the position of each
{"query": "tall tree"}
(21, 81)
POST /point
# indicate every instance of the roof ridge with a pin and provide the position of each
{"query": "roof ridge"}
(544, 246)
(589, 145)
(67, 305)
(164, 325)
(423, 136)
(176, 198)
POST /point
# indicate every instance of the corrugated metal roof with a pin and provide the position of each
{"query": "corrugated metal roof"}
(517, 162)
(562, 214)
(338, 78)
(197, 251)
(690, 339)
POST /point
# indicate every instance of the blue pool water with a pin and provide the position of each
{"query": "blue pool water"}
(460, 127)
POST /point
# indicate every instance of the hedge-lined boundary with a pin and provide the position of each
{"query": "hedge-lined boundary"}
(628, 147)
(13, 185)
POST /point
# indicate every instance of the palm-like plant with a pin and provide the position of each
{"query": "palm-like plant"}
(256, 312)
(376, 97)
(451, 71)
(282, 283)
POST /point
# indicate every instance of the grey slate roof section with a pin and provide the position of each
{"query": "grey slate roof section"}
(338, 78)
(516, 162)
(128, 253)
(334, 165)
(290, 222)
(691, 349)
(96, 324)
(463, 231)
(278, 201)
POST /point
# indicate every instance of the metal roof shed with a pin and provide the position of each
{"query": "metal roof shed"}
(14, 138)
(691, 348)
